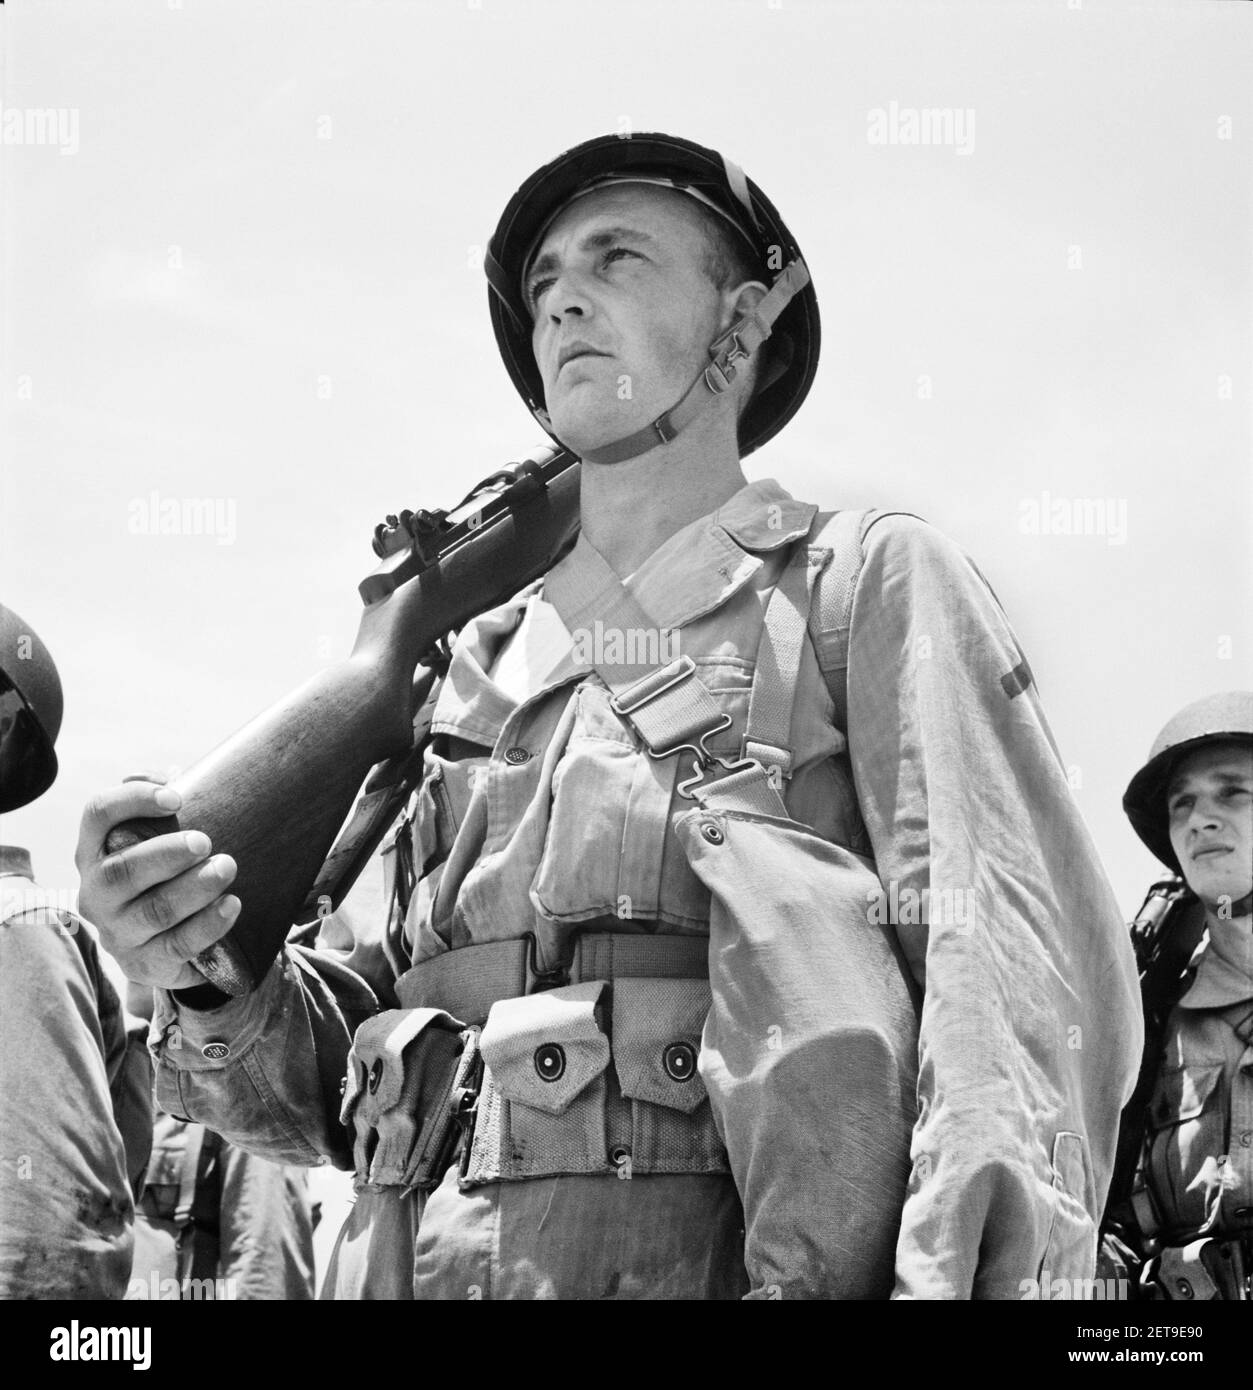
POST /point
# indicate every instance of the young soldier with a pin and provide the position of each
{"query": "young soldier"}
(646, 874)
(1190, 1216)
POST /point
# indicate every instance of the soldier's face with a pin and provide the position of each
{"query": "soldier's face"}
(624, 311)
(1209, 803)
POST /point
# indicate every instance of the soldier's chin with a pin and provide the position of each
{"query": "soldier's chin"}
(584, 430)
(1220, 891)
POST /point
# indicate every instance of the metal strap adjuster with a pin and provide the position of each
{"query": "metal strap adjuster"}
(651, 688)
(721, 371)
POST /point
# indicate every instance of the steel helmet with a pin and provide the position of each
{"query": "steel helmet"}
(30, 713)
(718, 184)
(1226, 718)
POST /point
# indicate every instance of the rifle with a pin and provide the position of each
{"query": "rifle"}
(1164, 935)
(274, 794)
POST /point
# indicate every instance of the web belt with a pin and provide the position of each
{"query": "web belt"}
(469, 980)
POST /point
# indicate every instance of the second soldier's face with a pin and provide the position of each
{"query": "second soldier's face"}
(624, 311)
(1209, 804)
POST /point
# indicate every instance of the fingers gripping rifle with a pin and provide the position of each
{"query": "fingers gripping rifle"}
(274, 794)
(1164, 936)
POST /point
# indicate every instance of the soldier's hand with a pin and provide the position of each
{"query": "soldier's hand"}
(160, 902)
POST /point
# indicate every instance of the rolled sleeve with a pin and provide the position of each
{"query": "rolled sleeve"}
(1030, 1032)
(264, 1070)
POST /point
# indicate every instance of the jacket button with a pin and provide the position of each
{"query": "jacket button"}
(550, 1062)
(679, 1060)
(712, 832)
(215, 1051)
(1185, 1289)
(517, 756)
(376, 1075)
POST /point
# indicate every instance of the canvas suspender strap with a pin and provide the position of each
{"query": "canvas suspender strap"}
(769, 730)
(756, 785)
(667, 706)
(831, 617)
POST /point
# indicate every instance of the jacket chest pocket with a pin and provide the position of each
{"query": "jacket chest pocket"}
(1186, 1149)
(609, 849)
(442, 805)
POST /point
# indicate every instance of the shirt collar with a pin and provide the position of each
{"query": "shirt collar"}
(1224, 975)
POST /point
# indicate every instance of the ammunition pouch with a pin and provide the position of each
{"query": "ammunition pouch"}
(1203, 1271)
(552, 1102)
(412, 1076)
(589, 1067)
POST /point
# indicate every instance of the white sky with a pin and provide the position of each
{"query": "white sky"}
(176, 289)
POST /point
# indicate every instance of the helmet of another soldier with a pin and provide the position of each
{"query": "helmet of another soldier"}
(30, 713)
(1217, 719)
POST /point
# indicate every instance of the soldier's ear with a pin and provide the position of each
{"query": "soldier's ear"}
(740, 300)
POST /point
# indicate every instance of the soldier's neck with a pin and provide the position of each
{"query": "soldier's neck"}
(629, 509)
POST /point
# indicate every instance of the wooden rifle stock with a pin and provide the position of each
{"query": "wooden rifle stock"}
(274, 794)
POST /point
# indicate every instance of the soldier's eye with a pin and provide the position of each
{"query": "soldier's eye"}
(536, 289)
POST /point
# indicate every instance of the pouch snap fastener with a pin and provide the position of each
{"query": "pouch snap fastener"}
(376, 1074)
(712, 832)
(679, 1060)
(550, 1062)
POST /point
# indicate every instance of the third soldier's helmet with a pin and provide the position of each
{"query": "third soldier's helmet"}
(30, 713)
(722, 187)
(1226, 718)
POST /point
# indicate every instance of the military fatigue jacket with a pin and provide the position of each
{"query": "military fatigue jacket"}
(542, 815)
(1198, 1160)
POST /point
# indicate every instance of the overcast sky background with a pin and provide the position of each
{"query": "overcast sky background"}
(257, 279)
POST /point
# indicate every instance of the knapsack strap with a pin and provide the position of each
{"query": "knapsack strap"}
(830, 618)
(668, 706)
(768, 734)
(194, 1138)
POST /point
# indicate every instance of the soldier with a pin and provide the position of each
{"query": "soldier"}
(648, 962)
(75, 1087)
(1189, 1220)
(215, 1222)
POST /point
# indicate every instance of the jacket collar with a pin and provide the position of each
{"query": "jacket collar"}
(693, 573)
(701, 566)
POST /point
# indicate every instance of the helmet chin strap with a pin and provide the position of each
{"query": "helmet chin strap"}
(737, 345)
(1242, 906)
